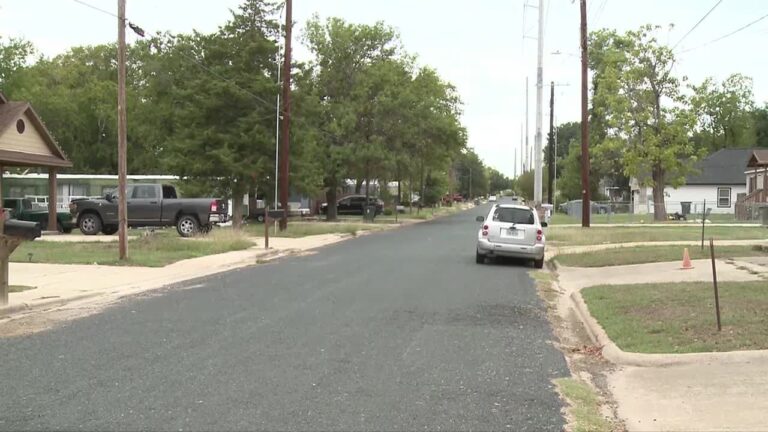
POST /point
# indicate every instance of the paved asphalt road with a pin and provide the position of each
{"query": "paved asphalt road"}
(392, 331)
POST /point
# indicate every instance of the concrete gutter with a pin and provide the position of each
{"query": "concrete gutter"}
(48, 303)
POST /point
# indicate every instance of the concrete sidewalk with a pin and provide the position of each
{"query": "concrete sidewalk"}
(677, 392)
(58, 284)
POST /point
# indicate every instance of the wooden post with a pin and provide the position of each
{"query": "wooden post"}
(714, 281)
(122, 135)
(266, 228)
(4, 254)
(52, 199)
(703, 221)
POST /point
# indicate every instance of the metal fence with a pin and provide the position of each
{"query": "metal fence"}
(681, 212)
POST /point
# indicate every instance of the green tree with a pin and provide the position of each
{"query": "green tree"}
(222, 137)
(760, 120)
(14, 55)
(647, 120)
(343, 53)
(724, 112)
(498, 181)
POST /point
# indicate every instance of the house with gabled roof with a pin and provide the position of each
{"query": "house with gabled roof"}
(716, 181)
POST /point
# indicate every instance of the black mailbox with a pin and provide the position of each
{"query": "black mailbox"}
(22, 229)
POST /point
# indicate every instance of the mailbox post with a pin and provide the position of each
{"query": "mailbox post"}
(14, 232)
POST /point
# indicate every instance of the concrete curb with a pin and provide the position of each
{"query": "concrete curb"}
(616, 355)
(44, 304)
(39, 306)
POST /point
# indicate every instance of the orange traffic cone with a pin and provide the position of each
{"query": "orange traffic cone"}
(686, 260)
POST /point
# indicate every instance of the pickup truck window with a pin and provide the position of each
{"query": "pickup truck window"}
(144, 192)
(169, 192)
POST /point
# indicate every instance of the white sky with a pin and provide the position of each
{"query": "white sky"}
(477, 45)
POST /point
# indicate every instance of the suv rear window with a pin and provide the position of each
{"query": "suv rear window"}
(514, 215)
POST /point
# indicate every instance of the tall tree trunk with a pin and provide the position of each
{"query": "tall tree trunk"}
(399, 198)
(237, 205)
(367, 184)
(358, 186)
(330, 198)
(422, 185)
(410, 196)
(659, 205)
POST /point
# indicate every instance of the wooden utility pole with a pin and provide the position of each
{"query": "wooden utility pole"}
(122, 134)
(286, 125)
(551, 147)
(586, 205)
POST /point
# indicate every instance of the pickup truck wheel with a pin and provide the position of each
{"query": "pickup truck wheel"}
(187, 226)
(90, 224)
(67, 230)
(109, 229)
(260, 218)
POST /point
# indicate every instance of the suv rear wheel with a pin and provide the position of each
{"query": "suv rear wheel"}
(479, 258)
(539, 263)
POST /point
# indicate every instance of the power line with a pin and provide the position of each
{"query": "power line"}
(104, 11)
(140, 32)
(599, 13)
(744, 27)
(697, 23)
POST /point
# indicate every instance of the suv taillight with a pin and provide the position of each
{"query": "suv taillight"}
(485, 230)
(538, 235)
(214, 207)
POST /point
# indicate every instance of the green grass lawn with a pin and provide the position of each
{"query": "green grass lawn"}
(303, 229)
(150, 251)
(680, 317)
(584, 406)
(651, 254)
(19, 288)
(606, 235)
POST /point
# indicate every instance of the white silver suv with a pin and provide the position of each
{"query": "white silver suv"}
(511, 230)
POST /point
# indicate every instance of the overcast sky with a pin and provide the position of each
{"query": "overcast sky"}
(477, 45)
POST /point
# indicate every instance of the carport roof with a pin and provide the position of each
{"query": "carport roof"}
(10, 114)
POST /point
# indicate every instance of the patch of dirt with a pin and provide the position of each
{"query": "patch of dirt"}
(584, 358)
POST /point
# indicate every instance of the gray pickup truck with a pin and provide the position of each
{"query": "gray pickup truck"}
(150, 205)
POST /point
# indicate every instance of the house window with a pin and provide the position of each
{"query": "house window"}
(723, 197)
(20, 126)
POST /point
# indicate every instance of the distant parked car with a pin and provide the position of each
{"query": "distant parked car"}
(354, 205)
(492, 198)
(573, 208)
(511, 231)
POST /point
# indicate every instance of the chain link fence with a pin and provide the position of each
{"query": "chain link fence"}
(680, 212)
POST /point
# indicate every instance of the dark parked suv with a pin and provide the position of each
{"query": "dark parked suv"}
(354, 205)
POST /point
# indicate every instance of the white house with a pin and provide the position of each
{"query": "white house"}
(718, 180)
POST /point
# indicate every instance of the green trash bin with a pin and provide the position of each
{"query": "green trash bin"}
(763, 215)
(369, 213)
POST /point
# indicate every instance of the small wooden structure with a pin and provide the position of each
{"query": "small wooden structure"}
(25, 142)
(757, 186)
